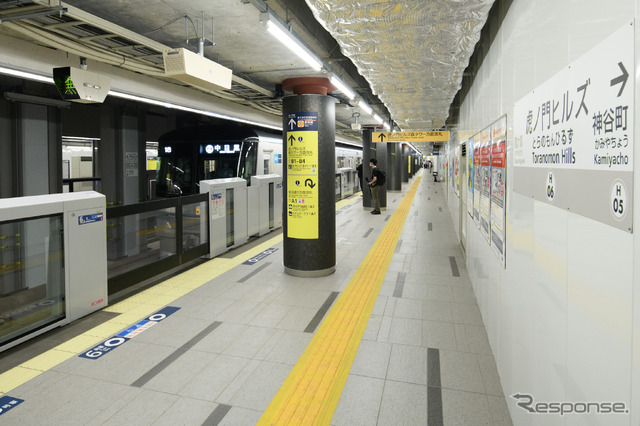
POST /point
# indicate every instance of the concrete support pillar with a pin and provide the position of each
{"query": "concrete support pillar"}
(309, 218)
(394, 173)
(368, 151)
(412, 164)
(405, 164)
(378, 151)
(38, 149)
(8, 147)
(382, 154)
(109, 154)
(119, 158)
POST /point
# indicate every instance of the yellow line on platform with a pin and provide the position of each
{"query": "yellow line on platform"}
(311, 392)
(133, 309)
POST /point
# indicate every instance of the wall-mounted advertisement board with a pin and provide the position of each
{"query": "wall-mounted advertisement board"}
(573, 145)
(477, 178)
(456, 170)
(485, 183)
(470, 177)
(498, 180)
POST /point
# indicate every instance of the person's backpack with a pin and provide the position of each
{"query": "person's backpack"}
(382, 177)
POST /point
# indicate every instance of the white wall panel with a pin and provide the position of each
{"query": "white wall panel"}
(562, 316)
(635, 357)
(599, 309)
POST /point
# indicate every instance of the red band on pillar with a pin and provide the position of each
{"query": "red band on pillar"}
(308, 85)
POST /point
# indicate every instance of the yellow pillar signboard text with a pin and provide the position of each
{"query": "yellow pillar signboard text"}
(302, 175)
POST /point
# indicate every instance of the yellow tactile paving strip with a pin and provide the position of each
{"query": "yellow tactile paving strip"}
(310, 393)
(132, 310)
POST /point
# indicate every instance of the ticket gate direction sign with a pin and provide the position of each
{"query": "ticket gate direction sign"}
(302, 175)
(435, 136)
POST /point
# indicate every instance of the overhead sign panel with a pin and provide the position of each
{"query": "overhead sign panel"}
(573, 144)
(410, 136)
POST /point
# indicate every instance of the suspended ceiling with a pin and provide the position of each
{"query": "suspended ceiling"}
(405, 59)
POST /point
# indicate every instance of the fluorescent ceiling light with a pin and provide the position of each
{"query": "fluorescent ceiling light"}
(270, 139)
(415, 149)
(386, 127)
(187, 109)
(286, 38)
(25, 74)
(79, 139)
(348, 143)
(349, 149)
(365, 107)
(44, 79)
(378, 118)
(342, 87)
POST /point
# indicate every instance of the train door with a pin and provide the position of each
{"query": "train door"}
(78, 164)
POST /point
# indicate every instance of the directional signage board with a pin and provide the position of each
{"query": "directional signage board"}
(410, 136)
(573, 145)
(302, 175)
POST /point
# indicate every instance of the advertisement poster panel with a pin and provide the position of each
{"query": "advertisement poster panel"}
(477, 178)
(498, 185)
(470, 177)
(485, 176)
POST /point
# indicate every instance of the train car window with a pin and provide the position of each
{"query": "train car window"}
(248, 160)
(175, 176)
(209, 169)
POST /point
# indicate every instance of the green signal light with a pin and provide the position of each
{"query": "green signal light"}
(69, 88)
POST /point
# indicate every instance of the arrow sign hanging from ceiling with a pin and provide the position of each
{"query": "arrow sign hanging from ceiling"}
(434, 136)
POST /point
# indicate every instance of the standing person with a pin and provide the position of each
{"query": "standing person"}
(373, 184)
(359, 169)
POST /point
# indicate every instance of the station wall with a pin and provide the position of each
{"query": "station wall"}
(563, 314)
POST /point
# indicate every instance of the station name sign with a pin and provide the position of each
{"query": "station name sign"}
(574, 135)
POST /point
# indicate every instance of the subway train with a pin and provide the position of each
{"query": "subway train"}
(188, 155)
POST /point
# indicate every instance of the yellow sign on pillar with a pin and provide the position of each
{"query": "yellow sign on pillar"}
(409, 165)
(302, 177)
(302, 206)
(436, 136)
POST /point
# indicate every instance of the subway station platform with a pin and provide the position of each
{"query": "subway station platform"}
(393, 337)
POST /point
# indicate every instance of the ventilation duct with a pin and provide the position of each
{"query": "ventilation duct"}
(195, 70)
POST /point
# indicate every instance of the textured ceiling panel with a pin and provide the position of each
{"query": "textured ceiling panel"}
(412, 52)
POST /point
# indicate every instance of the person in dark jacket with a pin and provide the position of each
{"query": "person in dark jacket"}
(375, 189)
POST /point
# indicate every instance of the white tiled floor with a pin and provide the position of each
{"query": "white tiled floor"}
(243, 362)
